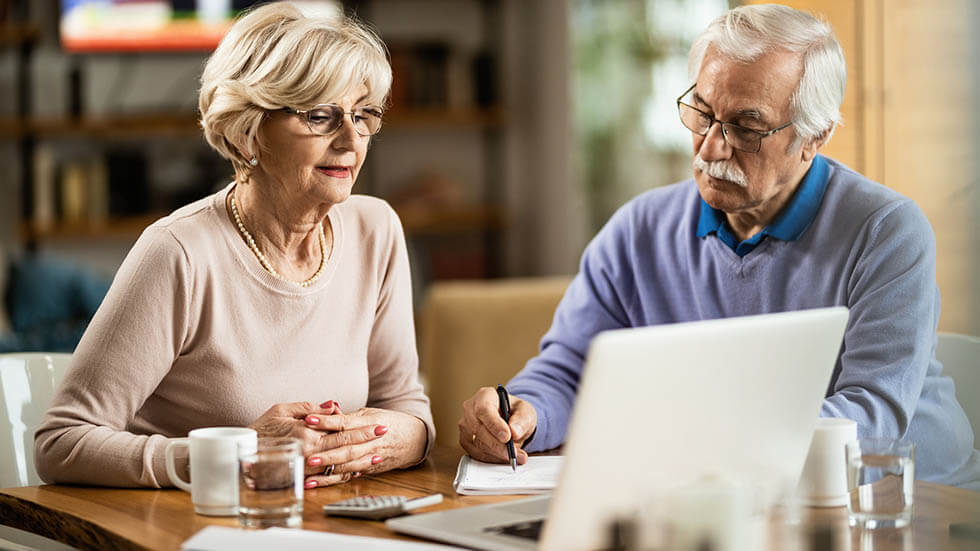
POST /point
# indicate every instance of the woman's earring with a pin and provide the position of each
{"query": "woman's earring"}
(253, 161)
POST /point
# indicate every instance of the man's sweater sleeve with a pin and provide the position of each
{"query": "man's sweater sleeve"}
(894, 312)
(595, 301)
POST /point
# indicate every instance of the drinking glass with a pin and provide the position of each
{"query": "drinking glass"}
(880, 478)
(270, 480)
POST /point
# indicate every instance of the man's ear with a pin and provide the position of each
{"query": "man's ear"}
(813, 145)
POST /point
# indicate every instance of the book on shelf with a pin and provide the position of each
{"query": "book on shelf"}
(43, 189)
(433, 75)
(74, 192)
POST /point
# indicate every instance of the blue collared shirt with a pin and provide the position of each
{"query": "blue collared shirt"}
(788, 226)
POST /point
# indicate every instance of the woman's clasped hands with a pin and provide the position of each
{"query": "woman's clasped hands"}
(338, 447)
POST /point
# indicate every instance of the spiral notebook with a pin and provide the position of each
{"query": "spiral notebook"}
(538, 476)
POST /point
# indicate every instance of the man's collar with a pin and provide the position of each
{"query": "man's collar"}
(791, 223)
(710, 220)
(802, 207)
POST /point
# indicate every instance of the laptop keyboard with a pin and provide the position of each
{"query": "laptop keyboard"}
(530, 529)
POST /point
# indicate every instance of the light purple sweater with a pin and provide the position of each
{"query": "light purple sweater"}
(868, 248)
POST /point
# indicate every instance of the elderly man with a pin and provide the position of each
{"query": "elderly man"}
(766, 225)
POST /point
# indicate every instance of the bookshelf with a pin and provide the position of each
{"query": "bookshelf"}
(127, 227)
(100, 128)
(416, 221)
(459, 237)
(447, 66)
(20, 38)
(186, 124)
(13, 34)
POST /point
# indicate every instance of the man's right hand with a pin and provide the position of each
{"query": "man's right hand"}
(483, 434)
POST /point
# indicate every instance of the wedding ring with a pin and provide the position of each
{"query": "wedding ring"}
(329, 471)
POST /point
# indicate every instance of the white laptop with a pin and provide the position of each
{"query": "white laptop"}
(668, 405)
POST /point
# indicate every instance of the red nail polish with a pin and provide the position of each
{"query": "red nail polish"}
(312, 420)
(314, 461)
(376, 459)
(380, 429)
(357, 474)
(327, 405)
(310, 484)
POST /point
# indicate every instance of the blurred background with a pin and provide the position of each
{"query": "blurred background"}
(516, 128)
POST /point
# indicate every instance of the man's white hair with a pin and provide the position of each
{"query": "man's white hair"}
(280, 55)
(747, 33)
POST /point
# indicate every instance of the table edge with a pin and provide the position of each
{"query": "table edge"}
(50, 522)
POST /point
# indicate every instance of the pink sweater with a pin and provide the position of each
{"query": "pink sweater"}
(195, 333)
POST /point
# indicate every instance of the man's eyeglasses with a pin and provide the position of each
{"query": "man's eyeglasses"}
(326, 118)
(739, 137)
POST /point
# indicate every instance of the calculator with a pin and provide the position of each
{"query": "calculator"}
(378, 507)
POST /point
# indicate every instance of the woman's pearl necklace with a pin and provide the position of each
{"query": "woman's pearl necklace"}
(261, 257)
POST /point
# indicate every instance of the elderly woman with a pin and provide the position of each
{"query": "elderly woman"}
(280, 290)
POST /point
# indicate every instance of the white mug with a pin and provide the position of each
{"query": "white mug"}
(824, 479)
(214, 467)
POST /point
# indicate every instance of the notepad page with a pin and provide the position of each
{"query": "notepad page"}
(538, 475)
(221, 538)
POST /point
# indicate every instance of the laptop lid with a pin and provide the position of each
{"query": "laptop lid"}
(663, 406)
(735, 398)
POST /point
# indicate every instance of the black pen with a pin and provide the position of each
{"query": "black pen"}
(505, 413)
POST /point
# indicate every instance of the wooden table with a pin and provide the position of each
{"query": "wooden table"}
(105, 518)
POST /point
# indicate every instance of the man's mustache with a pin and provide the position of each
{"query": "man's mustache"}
(723, 170)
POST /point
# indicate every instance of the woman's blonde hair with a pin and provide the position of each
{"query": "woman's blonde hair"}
(277, 56)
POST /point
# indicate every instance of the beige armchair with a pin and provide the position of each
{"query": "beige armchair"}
(480, 333)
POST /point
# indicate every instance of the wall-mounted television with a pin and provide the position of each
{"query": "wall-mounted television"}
(148, 25)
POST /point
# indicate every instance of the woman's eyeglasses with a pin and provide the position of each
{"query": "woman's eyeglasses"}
(326, 118)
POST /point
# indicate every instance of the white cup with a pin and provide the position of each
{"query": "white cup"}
(824, 479)
(214, 467)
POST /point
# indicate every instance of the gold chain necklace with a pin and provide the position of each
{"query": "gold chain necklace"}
(265, 262)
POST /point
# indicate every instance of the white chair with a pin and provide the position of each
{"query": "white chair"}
(27, 383)
(960, 355)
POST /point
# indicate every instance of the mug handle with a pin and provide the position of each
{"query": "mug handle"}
(171, 468)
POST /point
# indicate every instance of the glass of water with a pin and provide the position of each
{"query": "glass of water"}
(270, 483)
(880, 478)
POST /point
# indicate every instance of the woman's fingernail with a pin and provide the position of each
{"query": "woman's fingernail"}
(376, 459)
(310, 484)
(357, 474)
(311, 420)
(327, 405)
(314, 461)
(380, 429)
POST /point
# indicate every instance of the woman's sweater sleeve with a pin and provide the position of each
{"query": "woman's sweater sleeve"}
(392, 355)
(126, 351)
